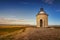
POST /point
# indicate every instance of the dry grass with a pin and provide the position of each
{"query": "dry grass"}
(29, 33)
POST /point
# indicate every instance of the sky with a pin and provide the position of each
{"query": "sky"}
(25, 11)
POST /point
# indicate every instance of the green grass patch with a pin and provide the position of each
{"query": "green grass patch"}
(11, 29)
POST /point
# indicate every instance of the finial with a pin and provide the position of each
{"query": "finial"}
(41, 9)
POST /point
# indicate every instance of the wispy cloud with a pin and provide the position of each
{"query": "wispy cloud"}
(24, 2)
(48, 1)
(14, 21)
(10, 21)
(57, 10)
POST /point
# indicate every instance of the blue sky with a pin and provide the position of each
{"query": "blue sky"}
(24, 11)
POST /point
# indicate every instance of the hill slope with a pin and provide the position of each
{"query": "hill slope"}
(35, 34)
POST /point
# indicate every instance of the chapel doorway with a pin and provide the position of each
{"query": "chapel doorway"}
(41, 23)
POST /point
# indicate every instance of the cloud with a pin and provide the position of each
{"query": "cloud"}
(57, 10)
(14, 21)
(24, 2)
(48, 1)
(10, 21)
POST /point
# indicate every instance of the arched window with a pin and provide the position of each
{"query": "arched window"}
(41, 23)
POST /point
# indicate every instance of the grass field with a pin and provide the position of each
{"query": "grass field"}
(28, 32)
(9, 30)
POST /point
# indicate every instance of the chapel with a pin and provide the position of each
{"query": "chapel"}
(42, 18)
